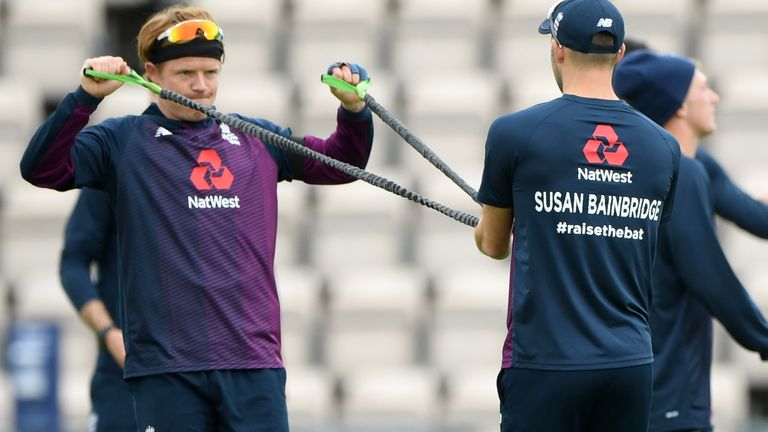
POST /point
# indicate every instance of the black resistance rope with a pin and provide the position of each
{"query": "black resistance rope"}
(286, 144)
(393, 122)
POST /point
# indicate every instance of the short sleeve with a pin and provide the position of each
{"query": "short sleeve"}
(500, 146)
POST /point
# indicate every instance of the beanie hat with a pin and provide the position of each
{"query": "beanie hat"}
(654, 84)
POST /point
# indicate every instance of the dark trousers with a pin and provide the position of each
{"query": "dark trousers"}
(212, 401)
(605, 400)
(112, 405)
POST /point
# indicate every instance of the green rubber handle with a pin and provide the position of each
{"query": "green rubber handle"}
(133, 78)
(335, 82)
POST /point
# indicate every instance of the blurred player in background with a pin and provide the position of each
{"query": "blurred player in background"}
(583, 182)
(693, 281)
(632, 44)
(730, 201)
(195, 207)
(91, 238)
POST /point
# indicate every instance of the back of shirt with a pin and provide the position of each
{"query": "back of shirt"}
(589, 181)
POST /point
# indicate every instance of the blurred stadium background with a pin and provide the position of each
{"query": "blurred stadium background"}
(392, 320)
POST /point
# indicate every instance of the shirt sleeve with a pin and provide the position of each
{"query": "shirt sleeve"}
(351, 142)
(731, 202)
(85, 240)
(47, 162)
(496, 184)
(669, 203)
(704, 269)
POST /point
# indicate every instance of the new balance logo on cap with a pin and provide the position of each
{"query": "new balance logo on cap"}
(161, 131)
(605, 22)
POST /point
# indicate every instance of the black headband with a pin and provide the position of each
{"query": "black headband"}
(197, 47)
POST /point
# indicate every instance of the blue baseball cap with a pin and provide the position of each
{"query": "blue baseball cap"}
(573, 23)
(654, 84)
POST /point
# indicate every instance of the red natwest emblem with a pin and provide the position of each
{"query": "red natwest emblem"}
(210, 172)
(605, 147)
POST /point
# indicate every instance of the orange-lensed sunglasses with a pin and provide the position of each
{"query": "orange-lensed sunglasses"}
(190, 29)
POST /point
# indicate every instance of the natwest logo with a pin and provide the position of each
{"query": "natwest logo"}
(605, 147)
(210, 172)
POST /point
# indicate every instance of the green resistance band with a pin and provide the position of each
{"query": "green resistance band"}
(361, 89)
(133, 78)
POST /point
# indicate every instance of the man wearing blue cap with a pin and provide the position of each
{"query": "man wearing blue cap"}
(693, 281)
(583, 182)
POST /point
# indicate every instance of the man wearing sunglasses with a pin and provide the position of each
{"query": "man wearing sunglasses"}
(583, 182)
(693, 281)
(195, 206)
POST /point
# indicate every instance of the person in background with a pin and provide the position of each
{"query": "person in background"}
(731, 202)
(90, 239)
(693, 281)
(632, 44)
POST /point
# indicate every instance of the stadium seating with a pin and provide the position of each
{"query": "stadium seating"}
(391, 398)
(470, 401)
(374, 322)
(328, 31)
(299, 290)
(310, 396)
(23, 111)
(431, 35)
(62, 33)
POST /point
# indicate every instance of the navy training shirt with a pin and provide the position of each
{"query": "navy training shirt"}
(195, 206)
(589, 181)
(90, 237)
(693, 282)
